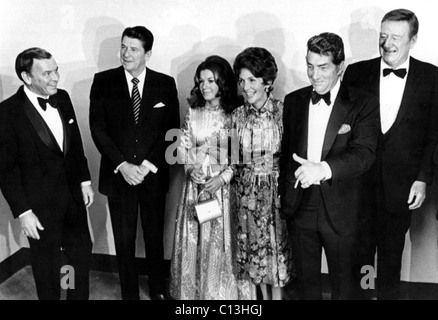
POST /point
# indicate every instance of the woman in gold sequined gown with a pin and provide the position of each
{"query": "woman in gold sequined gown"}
(203, 263)
(263, 252)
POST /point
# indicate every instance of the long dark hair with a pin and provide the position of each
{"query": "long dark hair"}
(225, 80)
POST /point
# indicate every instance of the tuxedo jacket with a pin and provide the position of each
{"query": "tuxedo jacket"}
(119, 138)
(405, 151)
(34, 172)
(349, 149)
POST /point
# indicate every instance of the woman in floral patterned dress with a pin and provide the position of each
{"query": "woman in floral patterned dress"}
(263, 252)
(203, 264)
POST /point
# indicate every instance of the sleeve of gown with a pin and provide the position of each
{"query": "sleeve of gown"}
(187, 143)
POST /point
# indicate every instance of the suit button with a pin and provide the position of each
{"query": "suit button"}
(136, 141)
(135, 156)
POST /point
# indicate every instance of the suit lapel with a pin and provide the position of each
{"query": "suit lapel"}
(411, 86)
(374, 78)
(341, 109)
(40, 126)
(65, 126)
(120, 85)
(302, 116)
(146, 100)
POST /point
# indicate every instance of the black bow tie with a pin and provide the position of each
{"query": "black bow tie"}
(43, 102)
(316, 97)
(401, 73)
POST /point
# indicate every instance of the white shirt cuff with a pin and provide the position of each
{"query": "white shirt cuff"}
(150, 166)
(85, 183)
(25, 213)
(328, 171)
(118, 167)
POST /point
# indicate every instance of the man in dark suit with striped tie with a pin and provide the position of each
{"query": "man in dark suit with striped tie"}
(408, 92)
(131, 109)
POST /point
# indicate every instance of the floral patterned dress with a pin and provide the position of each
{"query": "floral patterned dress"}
(263, 253)
(203, 265)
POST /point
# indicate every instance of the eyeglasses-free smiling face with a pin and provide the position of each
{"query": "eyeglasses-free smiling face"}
(133, 56)
(253, 89)
(394, 42)
(209, 87)
(322, 72)
(43, 78)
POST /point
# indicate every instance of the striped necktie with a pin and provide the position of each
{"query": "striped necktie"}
(136, 99)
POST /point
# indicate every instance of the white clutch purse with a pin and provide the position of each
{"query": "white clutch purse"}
(207, 210)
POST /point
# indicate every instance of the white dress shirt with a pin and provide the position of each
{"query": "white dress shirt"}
(50, 115)
(141, 79)
(391, 95)
(319, 115)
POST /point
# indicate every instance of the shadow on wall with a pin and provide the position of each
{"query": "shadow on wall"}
(363, 34)
(264, 30)
(101, 43)
(11, 238)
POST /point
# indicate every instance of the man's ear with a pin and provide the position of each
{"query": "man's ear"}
(26, 78)
(340, 68)
(148, 55)
(413, 41)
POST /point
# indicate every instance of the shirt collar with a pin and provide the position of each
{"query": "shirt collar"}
(333, 92)
(33, 97)
(404, 65)
(141, 77)
(267, 107)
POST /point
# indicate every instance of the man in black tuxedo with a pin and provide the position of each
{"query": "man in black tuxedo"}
(408, 93)
(131, 109)
(329, 141)
(44, 174)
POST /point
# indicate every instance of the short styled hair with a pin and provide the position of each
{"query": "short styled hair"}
(260, 62)
(328, 44)
(404, 15)
(141, 33)
(24, 61)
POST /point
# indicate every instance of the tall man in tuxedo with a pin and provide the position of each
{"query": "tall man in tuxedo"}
(131, 109)
(329, 141)
(44, 174)
(408, 93)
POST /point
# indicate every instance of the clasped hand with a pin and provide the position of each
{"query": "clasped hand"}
(308, 173)
(211, 185)
(133, 174)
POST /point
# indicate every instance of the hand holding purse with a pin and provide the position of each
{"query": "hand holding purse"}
(208, 209)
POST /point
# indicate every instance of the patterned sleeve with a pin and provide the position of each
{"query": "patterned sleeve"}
(234, 149)
(187, 143)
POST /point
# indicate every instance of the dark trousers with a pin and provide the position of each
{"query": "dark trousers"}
(381, 231)
(309, 238)
(392, 230)
(66, 228)
(124, 216)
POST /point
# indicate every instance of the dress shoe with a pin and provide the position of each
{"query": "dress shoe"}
(157, 296)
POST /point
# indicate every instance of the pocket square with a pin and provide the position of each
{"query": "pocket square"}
(70, 121)
(159, 105)
(344, 129)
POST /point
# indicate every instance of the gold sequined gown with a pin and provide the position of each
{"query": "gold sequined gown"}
(203, 263)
